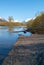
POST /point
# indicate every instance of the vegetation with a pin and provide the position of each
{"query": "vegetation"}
(37, 24)
(11, 22)
(30, 54)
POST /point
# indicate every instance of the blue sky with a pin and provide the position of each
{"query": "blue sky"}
(21, 9)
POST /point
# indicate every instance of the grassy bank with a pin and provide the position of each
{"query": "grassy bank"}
(27, 51)
(37, 24)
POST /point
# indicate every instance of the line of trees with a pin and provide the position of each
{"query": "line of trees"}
(37, 24)
(11, 22)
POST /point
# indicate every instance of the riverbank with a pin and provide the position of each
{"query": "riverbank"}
(27, 51)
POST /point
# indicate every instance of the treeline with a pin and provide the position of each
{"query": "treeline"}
(11, 24)
(37, 24)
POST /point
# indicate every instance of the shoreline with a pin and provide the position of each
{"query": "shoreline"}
(34, 38)
(24, 49)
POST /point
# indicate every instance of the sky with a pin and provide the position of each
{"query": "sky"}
(21, 9)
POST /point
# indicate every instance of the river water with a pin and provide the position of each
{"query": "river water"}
(8, 39)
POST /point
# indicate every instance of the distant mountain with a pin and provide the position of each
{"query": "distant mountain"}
(2, 20)
(28, 19)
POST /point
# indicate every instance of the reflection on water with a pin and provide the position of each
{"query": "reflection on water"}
(1, 33)
(7, 40)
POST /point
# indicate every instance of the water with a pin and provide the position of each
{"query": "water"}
(8, 39)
